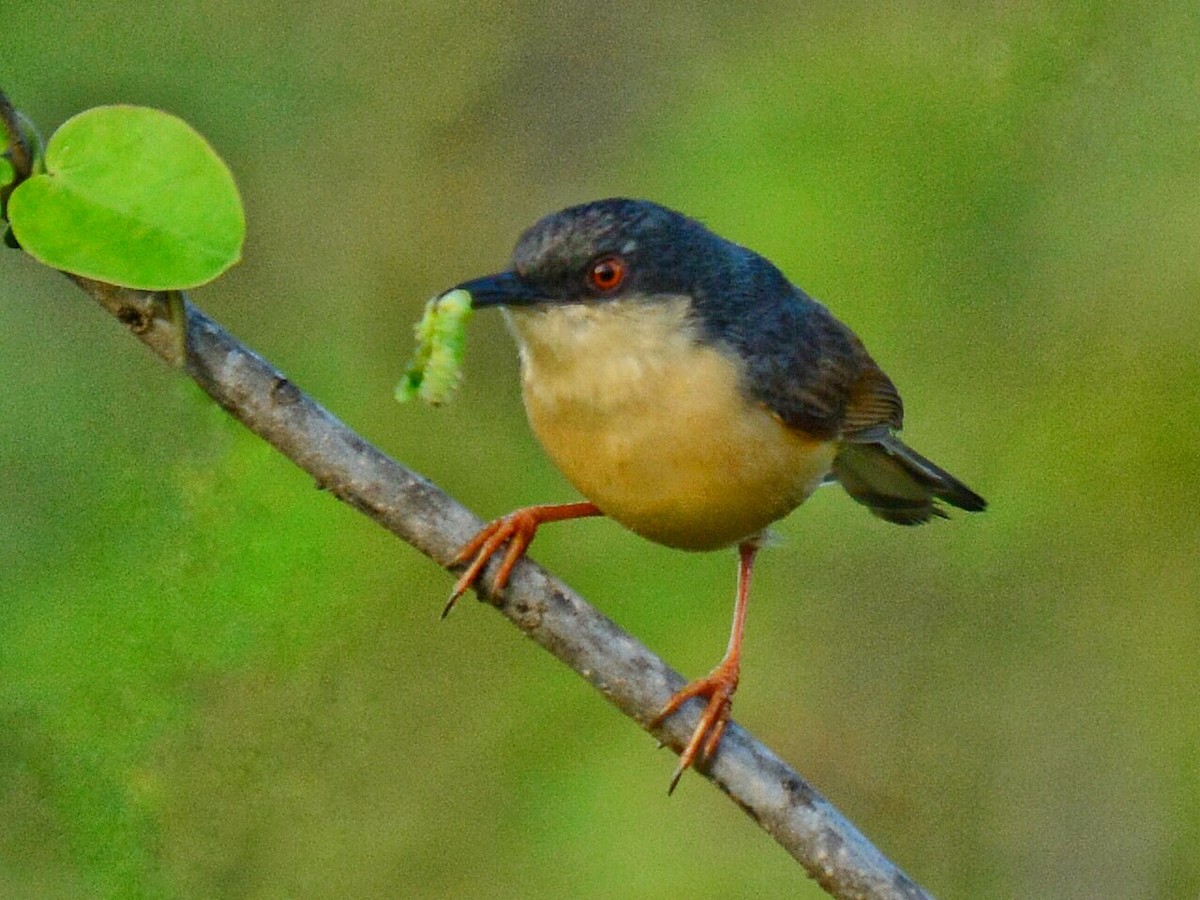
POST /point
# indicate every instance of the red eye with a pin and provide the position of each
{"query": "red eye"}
(606, 274)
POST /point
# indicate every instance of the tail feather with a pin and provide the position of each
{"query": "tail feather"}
(898, 484)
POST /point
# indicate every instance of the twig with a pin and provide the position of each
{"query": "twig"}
(19, 153)
(636, 681)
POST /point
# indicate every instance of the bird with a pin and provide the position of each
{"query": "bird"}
(690, 392)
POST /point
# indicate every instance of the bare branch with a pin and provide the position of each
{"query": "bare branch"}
(19, 153)
(636, 681)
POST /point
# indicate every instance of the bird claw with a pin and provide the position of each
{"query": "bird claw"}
(516, 529)
(718, 686)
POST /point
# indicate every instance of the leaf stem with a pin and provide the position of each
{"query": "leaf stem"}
(18, 147)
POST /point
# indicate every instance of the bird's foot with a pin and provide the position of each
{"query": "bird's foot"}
(718, 687)
(516, 529)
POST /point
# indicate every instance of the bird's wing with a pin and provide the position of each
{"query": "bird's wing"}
(818, 378)
(873, 404)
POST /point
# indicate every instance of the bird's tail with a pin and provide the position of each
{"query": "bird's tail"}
(898, 484)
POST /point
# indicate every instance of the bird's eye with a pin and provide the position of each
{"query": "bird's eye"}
(607, 274)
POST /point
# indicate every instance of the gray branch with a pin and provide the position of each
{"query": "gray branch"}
(633, 679)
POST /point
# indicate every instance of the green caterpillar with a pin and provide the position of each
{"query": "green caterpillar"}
(435, 371)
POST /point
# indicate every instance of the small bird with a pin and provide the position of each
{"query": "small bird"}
(692, 393)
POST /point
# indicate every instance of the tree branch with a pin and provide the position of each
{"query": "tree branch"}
(636, 681)
(19, 152)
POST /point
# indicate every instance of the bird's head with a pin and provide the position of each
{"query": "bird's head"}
(603, 251)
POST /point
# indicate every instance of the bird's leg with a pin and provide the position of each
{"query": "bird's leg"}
(718, 686)
(517, 529)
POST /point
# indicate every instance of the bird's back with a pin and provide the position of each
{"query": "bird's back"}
(815, 375)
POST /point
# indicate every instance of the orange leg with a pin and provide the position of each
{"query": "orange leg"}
(719, 685)
(517, 530)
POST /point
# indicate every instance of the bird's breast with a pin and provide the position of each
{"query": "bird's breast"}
(652, 426)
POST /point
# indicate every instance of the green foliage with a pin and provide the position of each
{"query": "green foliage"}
(131, 196)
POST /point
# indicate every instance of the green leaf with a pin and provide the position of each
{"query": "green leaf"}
(6, 172)
(131, 196)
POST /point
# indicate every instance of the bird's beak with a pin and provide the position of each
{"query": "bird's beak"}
(501, 289)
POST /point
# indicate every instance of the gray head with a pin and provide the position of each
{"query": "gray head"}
(632, 250)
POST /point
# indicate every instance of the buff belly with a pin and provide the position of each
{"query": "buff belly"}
(651, 425)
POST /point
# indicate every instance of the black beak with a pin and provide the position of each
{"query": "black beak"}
(501, 289)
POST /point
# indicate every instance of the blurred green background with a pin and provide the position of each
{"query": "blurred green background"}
(216, 681)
